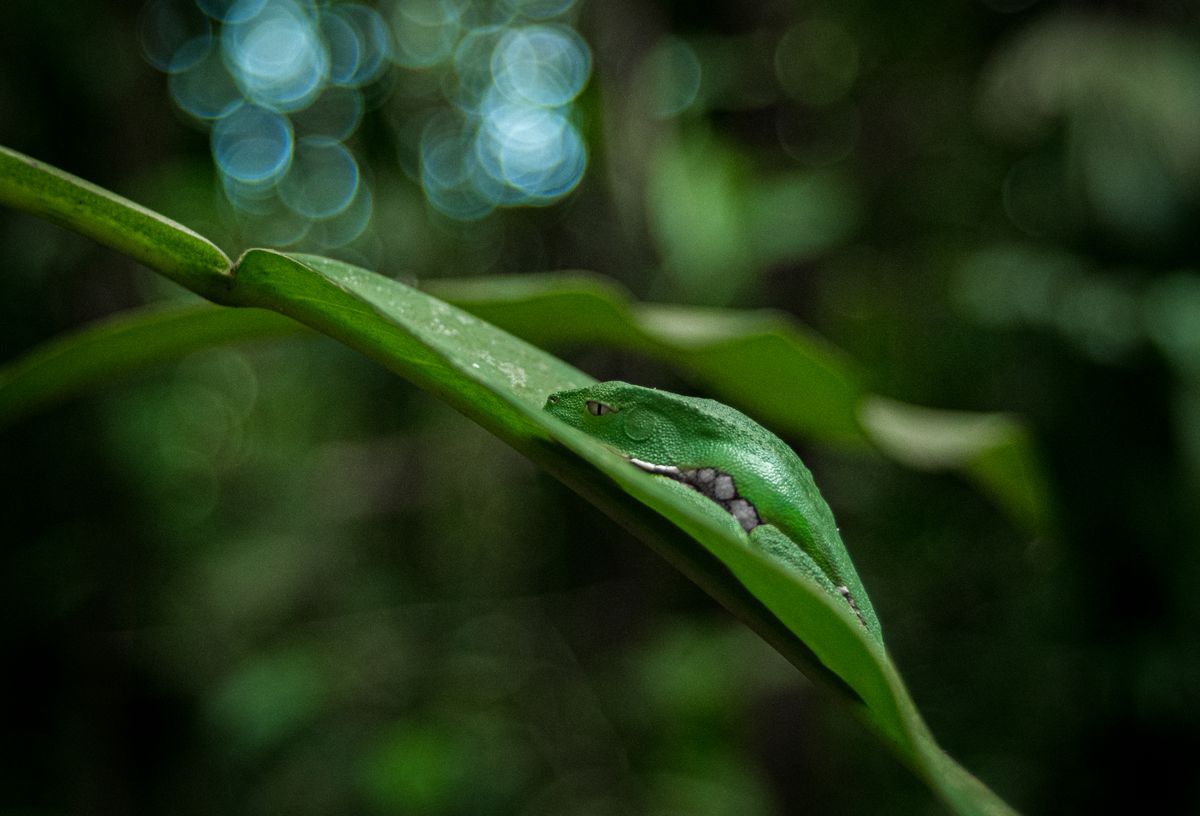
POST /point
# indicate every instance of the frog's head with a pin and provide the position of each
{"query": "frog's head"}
(640, 422)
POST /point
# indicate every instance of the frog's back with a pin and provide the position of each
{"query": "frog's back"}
(769, 474)
(781, 487)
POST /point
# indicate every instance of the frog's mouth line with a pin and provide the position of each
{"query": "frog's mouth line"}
(712, 483)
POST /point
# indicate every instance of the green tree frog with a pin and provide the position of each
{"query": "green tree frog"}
(722, 454)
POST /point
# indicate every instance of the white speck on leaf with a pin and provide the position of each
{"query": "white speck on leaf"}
(516, 374)
(438, 327)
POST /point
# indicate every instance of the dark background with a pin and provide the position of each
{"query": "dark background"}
(275, 578)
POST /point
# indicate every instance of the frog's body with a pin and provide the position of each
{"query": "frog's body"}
(728, 457)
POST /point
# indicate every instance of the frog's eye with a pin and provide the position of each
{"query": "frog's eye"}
(599, 408)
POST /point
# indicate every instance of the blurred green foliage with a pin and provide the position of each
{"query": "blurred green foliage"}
(274, 578)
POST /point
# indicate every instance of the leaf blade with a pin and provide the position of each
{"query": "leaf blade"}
(815, 390)
(153, 239)
(802, 608)
(125, 343)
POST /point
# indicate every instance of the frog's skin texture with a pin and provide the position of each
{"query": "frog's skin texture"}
(724, 455)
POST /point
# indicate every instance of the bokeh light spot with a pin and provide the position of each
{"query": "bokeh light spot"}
(374, 42)
(274, 223)
(174, 35)
(534, 150)
(541, 65)
(473, 66)
(277, 56)
(426, 32)
(347, 225)
(322, 179)
(231, 11)
(206, 90)
(448, 170)
(282, 83)
(346, 50)
(251, 198)
(539, 9)
(817, 61)
(511, 139)
(672, 77)
(252, 145)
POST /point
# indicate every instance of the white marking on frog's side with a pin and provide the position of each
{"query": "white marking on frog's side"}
(712, 484)
(661, 470)
(844, 591)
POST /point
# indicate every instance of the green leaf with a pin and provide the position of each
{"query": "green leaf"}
(815, 390)
(502, 381)
(128, 342)
(995, 450)
(158, 242)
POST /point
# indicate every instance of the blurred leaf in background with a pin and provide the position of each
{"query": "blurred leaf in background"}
(271, 577)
